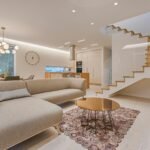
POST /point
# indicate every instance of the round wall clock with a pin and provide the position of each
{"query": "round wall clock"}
(32, 58)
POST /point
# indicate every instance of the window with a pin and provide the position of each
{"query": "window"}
(7, 64)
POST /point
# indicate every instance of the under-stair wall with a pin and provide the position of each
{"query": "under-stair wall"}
(138, 89)
(124, 61)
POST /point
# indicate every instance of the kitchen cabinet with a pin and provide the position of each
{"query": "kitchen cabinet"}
(91, 63)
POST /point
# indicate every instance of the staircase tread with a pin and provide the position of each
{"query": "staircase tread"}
(144, 36)
(138, 34)
(128, 76)
(112, 85)
(120, 81)
(146, 65)
(138, 71)
(105, 88)
(99, 91)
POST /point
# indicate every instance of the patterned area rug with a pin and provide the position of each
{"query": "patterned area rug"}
(102, 139)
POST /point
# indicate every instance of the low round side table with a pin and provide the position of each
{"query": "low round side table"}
(98, 105)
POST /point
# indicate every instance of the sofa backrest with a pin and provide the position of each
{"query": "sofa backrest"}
(77, 83)
(12, 85)
(46, 85)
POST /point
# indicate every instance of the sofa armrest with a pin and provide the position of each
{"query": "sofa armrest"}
(78, 83)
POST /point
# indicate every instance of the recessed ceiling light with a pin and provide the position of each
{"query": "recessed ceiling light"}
(116, 3)
(94, 44)
(92, 23)
(74, 11)
(81, 41)
(67, 43)
(84, 48)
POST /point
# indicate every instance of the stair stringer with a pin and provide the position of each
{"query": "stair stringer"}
(128, 81)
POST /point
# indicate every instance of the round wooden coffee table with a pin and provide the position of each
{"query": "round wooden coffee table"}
(98, 105)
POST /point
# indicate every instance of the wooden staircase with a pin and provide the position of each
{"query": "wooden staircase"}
(117, 28)
(134, 73)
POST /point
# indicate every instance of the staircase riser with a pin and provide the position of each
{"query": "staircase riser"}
(147, 56)
(147, 64)
(147, 61)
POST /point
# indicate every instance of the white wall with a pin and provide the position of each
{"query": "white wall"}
(138, 24)
(124, 61)
(139, 89)
(47, 57)
(106, 67)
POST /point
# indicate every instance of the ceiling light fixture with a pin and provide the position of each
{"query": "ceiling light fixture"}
(67, 43)
(94, 44)
(92, 23)
(6, 48)
(74, 11)
(116, 3)
(84, 48)
(81, 41)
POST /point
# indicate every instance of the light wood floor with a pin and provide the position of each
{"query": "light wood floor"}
(137, 138)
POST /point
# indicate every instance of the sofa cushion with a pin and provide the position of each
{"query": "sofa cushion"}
(60, 96)
(12, 85)
(26, 117)
(18, 93)
(42, 85)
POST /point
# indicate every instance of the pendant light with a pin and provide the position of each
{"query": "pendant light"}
(6, 48)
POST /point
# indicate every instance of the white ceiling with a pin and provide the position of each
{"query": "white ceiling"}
(51, 22)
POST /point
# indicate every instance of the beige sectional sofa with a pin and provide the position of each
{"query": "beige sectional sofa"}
(57, 91)
(24, 117)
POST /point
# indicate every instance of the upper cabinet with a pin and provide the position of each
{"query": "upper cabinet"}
(91, 63)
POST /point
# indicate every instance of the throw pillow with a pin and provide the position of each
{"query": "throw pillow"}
(18, 93)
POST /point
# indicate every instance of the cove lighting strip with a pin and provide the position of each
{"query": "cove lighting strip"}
(136, 45)
(35, 45)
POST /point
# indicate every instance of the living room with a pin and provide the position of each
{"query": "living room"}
(72, 79)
